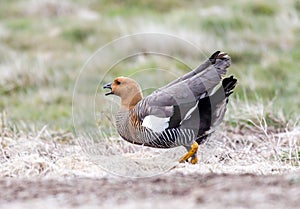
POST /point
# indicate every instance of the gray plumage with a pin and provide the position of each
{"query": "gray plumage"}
(186, 89)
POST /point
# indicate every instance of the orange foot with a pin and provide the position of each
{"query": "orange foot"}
(191, 153)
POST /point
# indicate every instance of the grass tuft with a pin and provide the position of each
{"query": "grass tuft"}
(297, 5)
(77, 34)
(222, 25)
(262, 8)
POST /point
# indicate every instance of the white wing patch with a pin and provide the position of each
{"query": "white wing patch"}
(155, 123)
(189, 113)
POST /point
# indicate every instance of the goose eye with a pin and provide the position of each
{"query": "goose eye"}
(118, 82)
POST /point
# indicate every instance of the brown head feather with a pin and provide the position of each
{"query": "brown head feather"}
(128, 90)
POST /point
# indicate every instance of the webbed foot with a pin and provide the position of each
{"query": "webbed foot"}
(191, 153)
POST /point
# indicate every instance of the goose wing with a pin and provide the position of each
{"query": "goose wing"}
(184, 93)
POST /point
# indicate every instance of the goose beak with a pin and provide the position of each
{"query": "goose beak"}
(108, 86)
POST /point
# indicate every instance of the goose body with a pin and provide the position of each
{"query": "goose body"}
(182, 113)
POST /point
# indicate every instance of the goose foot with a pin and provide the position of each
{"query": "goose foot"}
(191, 153)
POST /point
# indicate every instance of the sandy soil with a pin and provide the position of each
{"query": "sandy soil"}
(174, 190)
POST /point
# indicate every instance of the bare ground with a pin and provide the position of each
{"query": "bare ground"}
(176, 190)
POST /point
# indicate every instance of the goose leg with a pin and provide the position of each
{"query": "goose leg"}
(191, 153)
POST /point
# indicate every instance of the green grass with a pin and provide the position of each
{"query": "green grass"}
(262, 8)
(136, 7)
(45, 52)
(221, 25)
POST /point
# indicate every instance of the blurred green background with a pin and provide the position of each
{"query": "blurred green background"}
(43, 45)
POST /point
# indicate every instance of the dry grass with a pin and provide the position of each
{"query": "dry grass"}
(250, 147)
(42, 154)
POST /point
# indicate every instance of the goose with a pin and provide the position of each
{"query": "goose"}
(182, 113)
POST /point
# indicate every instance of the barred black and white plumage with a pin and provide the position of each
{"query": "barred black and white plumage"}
(182, 113)
(145, 136)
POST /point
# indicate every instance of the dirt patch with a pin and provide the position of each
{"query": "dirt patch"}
(171, 190)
